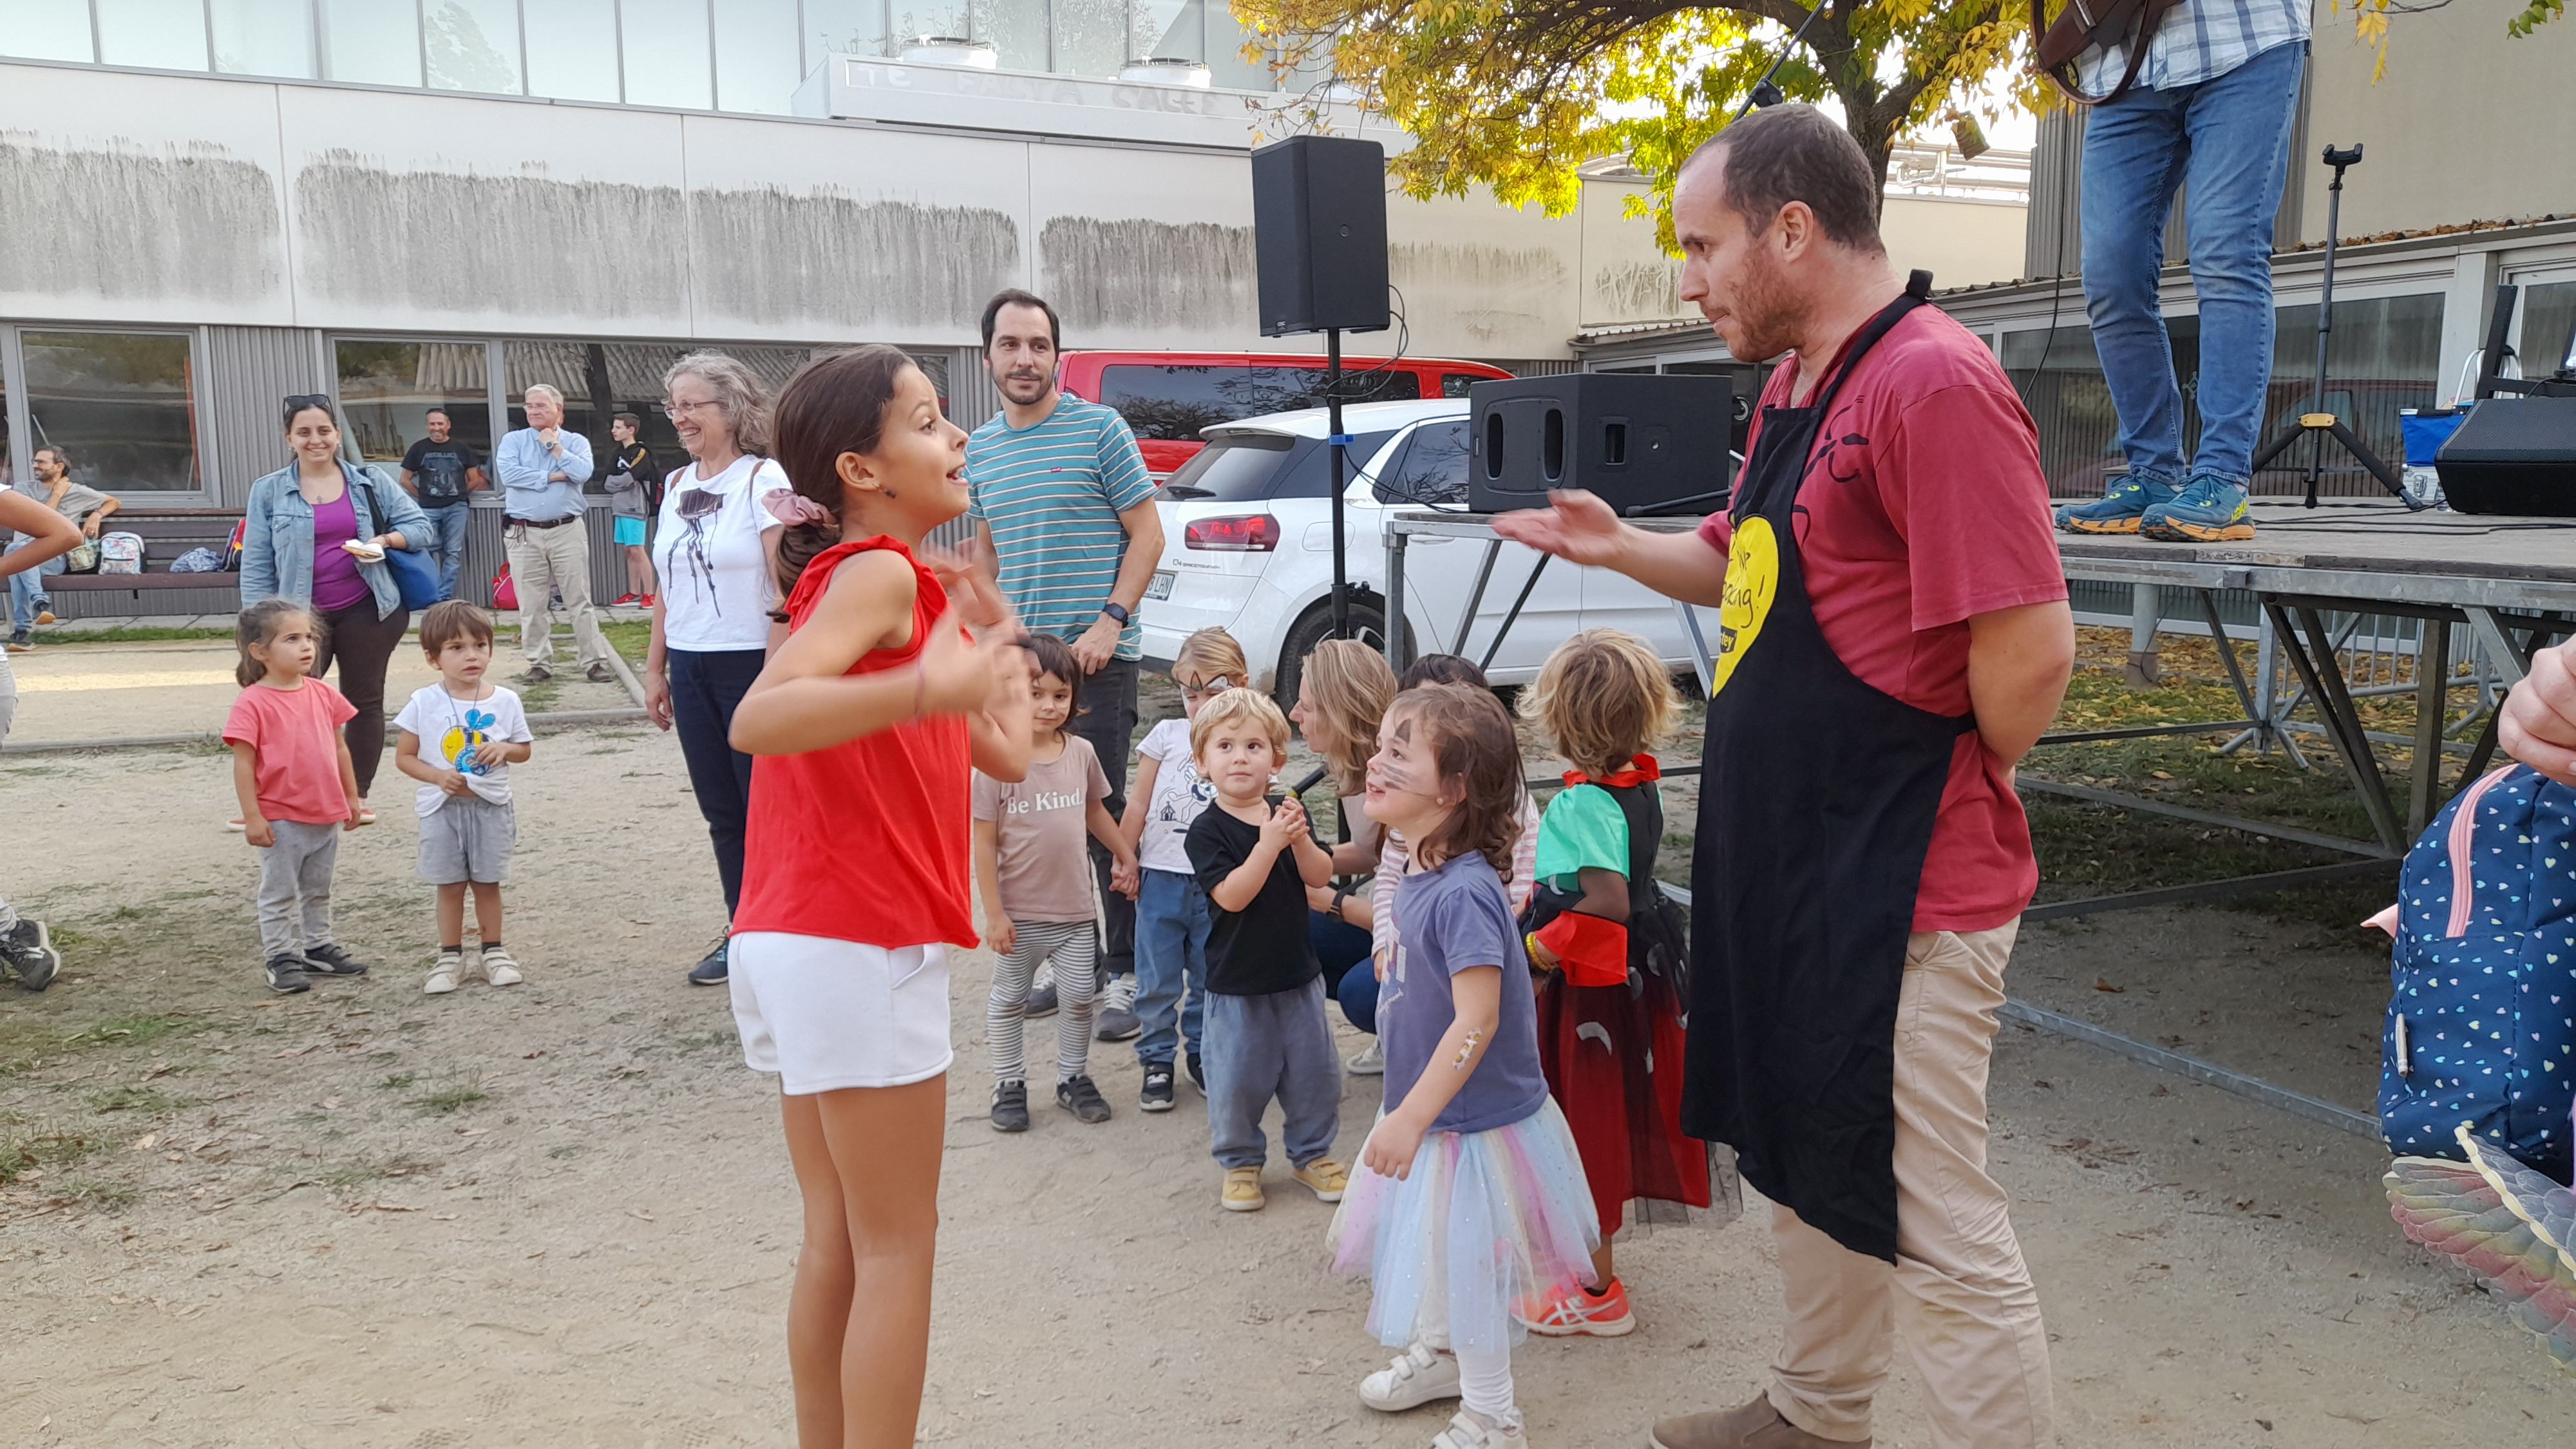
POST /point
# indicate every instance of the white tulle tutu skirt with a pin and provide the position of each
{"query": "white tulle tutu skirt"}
(1483, 1222)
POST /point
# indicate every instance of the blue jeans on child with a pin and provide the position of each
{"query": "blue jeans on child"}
(27, 592)
(1274, 1045)
(2226, 142)
(1171, 954)
(448, 546)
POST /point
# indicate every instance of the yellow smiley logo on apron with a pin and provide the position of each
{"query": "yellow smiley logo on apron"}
(1752, 579)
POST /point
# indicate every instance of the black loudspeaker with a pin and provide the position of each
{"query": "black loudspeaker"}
(1319, 227)
(1645, 444)
(2513, 455)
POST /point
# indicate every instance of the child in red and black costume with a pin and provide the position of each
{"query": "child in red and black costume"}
(1612, 953)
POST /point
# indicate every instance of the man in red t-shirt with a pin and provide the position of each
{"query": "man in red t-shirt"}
(1893, 497)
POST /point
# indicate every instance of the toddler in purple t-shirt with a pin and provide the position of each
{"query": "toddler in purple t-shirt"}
(1471, 1197)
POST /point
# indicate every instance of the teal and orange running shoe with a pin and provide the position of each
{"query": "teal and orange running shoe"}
(2209, 510)
(2119, 509)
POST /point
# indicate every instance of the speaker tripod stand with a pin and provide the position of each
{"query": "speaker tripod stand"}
(2317, 424)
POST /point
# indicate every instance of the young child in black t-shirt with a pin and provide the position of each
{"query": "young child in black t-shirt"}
(1267, 1035)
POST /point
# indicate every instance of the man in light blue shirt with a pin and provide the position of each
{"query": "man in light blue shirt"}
(542, 467)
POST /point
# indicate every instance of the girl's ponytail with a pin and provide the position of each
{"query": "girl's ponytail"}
(835, 405)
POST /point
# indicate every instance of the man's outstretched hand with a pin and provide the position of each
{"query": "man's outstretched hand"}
(1575, 526)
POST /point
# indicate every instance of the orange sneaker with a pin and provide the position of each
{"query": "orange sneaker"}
(1580, 1310)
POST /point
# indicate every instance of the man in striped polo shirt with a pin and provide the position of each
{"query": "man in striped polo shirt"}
(1065, 509)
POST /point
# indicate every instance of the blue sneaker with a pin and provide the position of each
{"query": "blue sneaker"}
(2119, 508)
(2210, 510)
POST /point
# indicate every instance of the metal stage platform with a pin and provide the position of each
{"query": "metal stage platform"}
(2510, 582)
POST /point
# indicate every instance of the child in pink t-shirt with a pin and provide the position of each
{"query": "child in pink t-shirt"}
(298, 788)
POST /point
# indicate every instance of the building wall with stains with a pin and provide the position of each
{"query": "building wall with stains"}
(209, 201)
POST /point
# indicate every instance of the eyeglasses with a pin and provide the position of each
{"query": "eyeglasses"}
(677, 411)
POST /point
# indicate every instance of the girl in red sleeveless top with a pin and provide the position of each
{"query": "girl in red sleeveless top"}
(867, 723)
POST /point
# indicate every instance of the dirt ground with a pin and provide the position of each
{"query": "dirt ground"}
(560, 1215)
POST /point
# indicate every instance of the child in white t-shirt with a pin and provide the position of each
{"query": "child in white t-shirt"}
(474, 731)
(1171, 910)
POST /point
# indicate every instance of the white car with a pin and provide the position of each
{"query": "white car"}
(1248, 547)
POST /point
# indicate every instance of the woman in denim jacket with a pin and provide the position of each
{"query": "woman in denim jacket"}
(299, 518)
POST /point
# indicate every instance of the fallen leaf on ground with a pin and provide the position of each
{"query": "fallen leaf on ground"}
(2101, 985)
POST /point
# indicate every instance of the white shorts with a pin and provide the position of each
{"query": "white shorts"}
(826, 1014)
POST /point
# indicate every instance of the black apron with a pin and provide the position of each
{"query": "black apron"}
(1816, 807)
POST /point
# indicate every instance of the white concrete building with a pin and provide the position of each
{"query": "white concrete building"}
(210, 204)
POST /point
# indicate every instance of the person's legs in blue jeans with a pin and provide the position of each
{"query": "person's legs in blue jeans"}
(1162, 935)
(1343, 947)
(1358, 996)
(2133, 160)
(27, 593)
(1171, 966)
(451, 522)
(2238, 128)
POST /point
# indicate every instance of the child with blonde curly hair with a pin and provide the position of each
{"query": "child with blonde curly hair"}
(1613, 955)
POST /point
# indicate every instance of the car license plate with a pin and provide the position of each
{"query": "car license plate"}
(1161, 587)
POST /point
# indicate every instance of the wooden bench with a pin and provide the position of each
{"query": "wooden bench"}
(166, 533)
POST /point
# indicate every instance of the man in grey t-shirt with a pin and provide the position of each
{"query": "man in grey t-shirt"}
(29, 604)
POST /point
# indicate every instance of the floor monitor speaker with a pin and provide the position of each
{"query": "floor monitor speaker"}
(1319, 232)
(1646, 444)
(2513, 455)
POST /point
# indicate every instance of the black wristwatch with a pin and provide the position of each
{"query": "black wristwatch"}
(1117, 611)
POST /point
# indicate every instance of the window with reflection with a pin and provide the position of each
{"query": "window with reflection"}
(2548, 328)
(371, 43)
(1017, 29)
(572, 49)
(165, 34)
(757, 62)
(843, 27)
(1228, 67)
(913, 19)
(602, 379)
(46, 30)
(8, 470)
(2060, 380)
(1090, 36)
(123, 403)
(471, 45)
(2385, 355)
(387, 389)
(667, 59)
(1171, 28)
(263, 37)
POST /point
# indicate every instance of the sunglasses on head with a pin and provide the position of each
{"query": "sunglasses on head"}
(302, 400)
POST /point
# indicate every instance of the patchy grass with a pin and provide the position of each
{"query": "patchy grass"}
(359, 1171)
(398, 1082)
(133, 633)
(22, 1153)
(447, 1100)
(630, 638)
(104, 1196)
(135, 1030)
(142, 1101)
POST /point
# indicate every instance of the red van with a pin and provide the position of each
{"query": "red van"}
(1168, 396)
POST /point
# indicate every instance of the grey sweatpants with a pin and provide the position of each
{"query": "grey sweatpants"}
(295, 887)
(1275, 1045)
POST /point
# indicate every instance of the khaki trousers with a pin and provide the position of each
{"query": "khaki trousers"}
(543, 560)
(1959, 1293)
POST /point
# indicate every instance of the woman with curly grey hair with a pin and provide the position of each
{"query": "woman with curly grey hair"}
(713, 554)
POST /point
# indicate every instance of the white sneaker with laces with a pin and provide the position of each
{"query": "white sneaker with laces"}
(1419, 1375)
(1471, 1430)
(443, 976)
(1121, 995)
(1369, 1061)
(499, 969)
